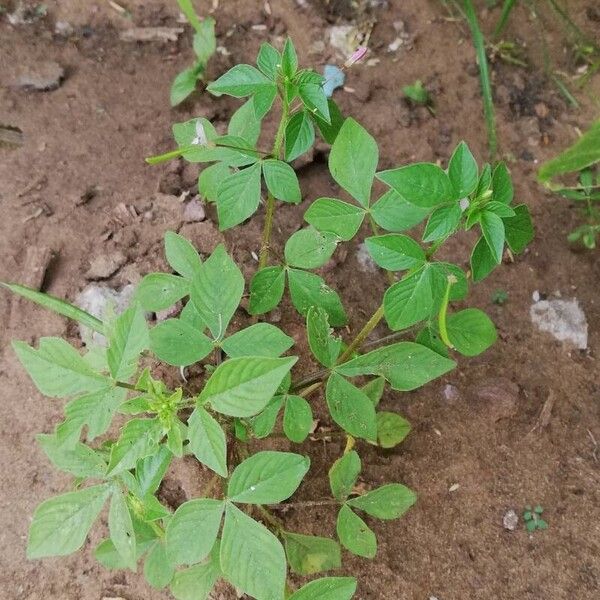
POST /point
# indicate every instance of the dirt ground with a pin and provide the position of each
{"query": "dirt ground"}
(477, 438)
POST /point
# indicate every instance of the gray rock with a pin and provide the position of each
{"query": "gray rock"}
(564, 319)
(42, 76)
(365, 262)
(510, 520)
(105, 265)
(194, 211)
(101, 301)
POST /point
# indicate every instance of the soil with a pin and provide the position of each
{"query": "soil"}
(79, 187)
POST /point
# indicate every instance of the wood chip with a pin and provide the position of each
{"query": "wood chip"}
(151, 34)
(546, 413)
(35, 265)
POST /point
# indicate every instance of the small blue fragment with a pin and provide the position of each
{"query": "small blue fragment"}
(334, 78)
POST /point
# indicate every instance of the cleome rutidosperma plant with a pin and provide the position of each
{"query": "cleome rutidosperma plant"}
(231, 533)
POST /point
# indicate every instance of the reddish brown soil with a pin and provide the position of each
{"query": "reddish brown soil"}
(112, 110)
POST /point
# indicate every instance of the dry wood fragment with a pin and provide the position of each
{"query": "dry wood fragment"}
(151, 34)
(545, 415)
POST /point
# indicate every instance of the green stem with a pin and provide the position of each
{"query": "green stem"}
(270, 212)
(484, 75)
(127, 386)
(362, 335)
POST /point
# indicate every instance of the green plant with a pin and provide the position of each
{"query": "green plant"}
(580, 158)
(204, 47)
(533, 518)
(418, 94)
(500, 297)
(222, 413)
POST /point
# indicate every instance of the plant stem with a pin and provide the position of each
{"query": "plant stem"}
(362, 335)
(270, 212)
(484, 75)
(127, 386)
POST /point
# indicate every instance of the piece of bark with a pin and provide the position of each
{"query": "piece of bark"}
(37, 261)
(151, 34)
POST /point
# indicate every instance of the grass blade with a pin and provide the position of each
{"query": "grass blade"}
(484, 75)
(506, 10)
(57, 305)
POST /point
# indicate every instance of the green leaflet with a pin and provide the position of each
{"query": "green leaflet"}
(57, 305)
(139, 438)
(260, 339)
(264, 423)
(308, 289)
(244, 124)
(128, 339)
(406, 365)
(158, 291)
(267, 477)
(217, 291)
(207, 441)
(61, 524)
(471, 331)
(150, 471)
(196, 583)
(423, 184)
(351, 408)
(482, 260)
(299, 135)
(238, 196)
(327, 588)
(205, 43)
(492, 228)
(329, 131)
(96, 410)
(192, 530)
(343, 475)
(443, 221)
(413, 298)
(268, 60)
(252, 558)
(395, 252)
(289, 59)
(519, 229)
(78, 460)
(325, 347)
(121, 530)
(315, 100)
(158, 571)
(242, 387)
(386, 502)
(184, 84)
(394, 213)
(391, 429)
(308, 554)
(266, 289)
(502, 186)
(354, 534)
(210, 179)
(336, 217)
(583, 153)
(309, 248)
(57, 369)
(188, 132)
(297, 418)
(181, 255)
(179, 344)
(353, 160)
(281, 181)
(240, 81)
(462, 171)
(374, 390)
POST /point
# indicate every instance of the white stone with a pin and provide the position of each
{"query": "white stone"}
(365, 262)
(564, 319)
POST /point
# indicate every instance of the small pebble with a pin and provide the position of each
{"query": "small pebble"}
(510, 520)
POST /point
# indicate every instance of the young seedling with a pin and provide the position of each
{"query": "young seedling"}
(249, 388)
(581, 158)
(500, 297)
(533, 518)
(204, 47)
(419, 95)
